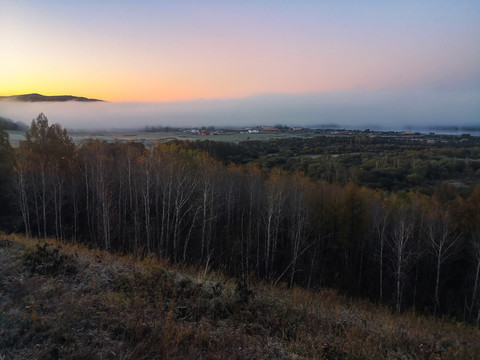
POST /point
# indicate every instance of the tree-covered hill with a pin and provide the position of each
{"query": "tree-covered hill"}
(409, 249)
(39, 98)
(7, 124)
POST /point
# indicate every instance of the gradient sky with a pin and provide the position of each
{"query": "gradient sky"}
(184, 50)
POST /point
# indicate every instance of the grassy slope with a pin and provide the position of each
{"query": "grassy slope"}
(68, 302)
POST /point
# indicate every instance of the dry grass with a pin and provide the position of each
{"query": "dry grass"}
(65, 301)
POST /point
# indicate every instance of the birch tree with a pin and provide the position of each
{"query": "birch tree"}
(401, 247)
(379, 222)
(20, 179)
(299, 216)
(441, 242)
(272, 214)
(476, 285)
(48, 151)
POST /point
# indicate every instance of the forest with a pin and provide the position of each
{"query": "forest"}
(373, 218)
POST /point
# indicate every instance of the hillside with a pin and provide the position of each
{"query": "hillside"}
(7, 124)
(39, 98)
(66, 301)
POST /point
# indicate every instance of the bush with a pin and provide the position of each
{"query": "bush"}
(46, 261)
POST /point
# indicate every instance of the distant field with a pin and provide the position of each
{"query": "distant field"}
(149, 138)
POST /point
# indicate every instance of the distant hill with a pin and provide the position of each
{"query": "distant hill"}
(7, 124)
(38, 98)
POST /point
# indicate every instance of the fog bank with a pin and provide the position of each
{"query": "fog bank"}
(395, 110)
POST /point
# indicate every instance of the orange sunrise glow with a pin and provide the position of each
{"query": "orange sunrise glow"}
(173, 53)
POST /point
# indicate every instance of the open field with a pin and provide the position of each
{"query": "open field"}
(149, 138)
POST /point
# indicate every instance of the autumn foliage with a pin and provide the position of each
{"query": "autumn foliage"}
(406, 249)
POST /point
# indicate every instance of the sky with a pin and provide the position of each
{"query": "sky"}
(182, 51)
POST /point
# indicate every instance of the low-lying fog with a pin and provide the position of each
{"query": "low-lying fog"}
(393, 110)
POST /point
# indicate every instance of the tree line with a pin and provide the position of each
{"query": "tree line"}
(406, 249)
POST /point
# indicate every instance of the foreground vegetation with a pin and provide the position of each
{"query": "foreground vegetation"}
(64, 301)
